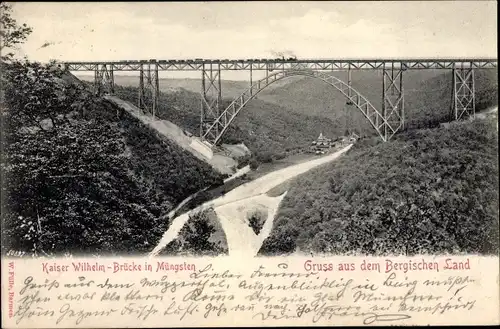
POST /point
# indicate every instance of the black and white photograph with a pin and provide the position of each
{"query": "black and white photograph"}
(249, 129)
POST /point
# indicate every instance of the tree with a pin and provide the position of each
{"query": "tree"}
(11, 34)
(256, 220)
(35, 92)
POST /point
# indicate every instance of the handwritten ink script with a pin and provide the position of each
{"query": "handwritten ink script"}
(272, 291)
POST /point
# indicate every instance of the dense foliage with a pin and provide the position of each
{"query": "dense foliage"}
(80, 180)
(426, 191)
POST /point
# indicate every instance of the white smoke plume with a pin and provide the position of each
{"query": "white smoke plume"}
(283, 54)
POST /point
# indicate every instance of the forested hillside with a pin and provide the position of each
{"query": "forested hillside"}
(428, 96)
(425, 191)
(80, 176)
(173, 84)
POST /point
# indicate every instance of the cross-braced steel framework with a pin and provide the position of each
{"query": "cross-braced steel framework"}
(149, 88)
(464, 95)
(392, 100)
(104, 80)
(213, 123)
(211, 99)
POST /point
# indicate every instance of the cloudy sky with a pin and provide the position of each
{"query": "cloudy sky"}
(119, 31)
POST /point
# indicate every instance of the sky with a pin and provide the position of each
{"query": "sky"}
(231, 30)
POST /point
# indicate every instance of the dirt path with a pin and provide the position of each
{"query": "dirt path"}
(176, 134)
(487, 112)
(233, 207)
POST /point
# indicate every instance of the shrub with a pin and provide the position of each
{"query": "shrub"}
(256, 220)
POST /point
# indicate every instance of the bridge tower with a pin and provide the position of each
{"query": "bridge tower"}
(149, 88)
(211, 99)
(349, 105)
(464, 100)
(104, 80)
(392, 99)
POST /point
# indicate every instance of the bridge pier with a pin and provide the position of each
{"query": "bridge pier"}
(392, 99)
(149, 88)
(103, 79)
(349, 80)
(464, 98)
(211, 99)
(251, 80)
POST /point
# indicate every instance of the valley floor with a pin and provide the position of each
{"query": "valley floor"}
(233, 207)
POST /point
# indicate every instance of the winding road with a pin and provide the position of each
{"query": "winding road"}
(232, 208)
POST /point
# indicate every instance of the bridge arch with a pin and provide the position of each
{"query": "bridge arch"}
(214, 132)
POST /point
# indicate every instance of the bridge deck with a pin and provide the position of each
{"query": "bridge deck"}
(284, 64)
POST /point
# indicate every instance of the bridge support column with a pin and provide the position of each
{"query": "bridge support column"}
(149, 88)
(141, 98)
(464, 99)
(251, 79)
(104, 80)
(349, 80)
(97, 81)
(111, 80)
(211, 100)
(392, 100)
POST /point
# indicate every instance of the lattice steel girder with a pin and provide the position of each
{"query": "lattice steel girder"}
(392, 99)
(149, 88)
(280, 64)
(103, 79)
(223, 121)
(211, 98)
(464, 99)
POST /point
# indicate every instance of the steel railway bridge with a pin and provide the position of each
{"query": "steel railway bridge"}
(387, 120)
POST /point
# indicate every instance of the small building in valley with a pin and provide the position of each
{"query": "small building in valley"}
(321, 144)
